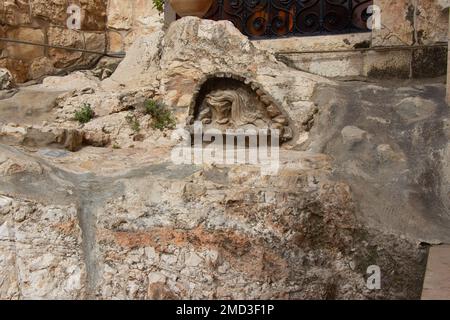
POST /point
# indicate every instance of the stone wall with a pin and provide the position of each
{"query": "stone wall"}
(404, 23)
(112, 25)
(106, 25)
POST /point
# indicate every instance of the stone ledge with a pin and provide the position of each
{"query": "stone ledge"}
(315, 43)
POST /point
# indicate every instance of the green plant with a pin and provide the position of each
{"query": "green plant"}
(162, 117)
(133, 123)
(116, 146)
(84, 114)
(159, 5)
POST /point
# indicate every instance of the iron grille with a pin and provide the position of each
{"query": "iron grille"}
(278, 18)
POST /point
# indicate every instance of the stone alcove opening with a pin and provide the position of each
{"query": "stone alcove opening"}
(224, 102)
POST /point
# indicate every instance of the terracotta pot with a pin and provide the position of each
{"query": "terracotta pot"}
(196, 8)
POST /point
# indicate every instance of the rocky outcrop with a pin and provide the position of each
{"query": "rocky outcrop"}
(153, 229)
(390, 144)
(162, 231)
(172, 62)
(40, 247)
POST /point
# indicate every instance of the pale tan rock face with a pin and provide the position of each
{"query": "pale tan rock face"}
(153, 229)
(115, 42)
(41, 67)
(17, 67)
(120, 14)
(94, 18)
(50, 10)
(74, 81)
(15, 12)
(193, 49)
(26, 52)
(145, 12)
(68, 38)
(141, 65)
(40, 251)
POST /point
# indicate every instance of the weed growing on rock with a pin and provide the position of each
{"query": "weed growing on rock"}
(162, 117)
(159, 5)
(84, 114)
(133, 123)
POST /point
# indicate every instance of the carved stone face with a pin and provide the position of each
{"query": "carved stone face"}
(221, 106)
(230, 104)
(232, 107)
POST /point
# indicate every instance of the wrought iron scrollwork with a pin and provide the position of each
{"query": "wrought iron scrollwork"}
(278, 18)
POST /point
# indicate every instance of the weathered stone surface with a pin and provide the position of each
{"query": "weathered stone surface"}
(153, 229)
(26, 52)
(408, 22)
(431, 23)
(53, 11)
(28, 106)
(396, 170)
(95, 16)
(67, 38)
(120, 14)
(352, 135)
(145, 13)
(74, 81)
(18, 68)
(40, 251)
(141, 65)
(397, 23)
(415, 109)
(15, 13)
(444, 4)
(173, 60)
(41, 67)
(115, 42)
(388, 65)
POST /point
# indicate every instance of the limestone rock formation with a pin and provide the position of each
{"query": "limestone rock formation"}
(192, 50)
(40, 247)
(114, 217)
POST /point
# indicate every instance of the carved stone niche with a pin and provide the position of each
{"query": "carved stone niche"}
(224, 101)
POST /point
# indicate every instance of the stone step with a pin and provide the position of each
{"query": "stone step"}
(437, 278)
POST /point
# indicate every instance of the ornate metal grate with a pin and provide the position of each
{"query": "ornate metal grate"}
(278, 18)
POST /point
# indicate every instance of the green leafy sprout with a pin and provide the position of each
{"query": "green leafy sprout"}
(159, 5)
(84, 114)
(162, 117)
(133, 123)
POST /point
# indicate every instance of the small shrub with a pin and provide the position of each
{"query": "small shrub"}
(85, 114)
(162, 117)
(159, 5)
(133, 123)
(116, 146)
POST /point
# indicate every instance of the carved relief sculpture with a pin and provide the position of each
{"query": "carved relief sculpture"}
(227, 102)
